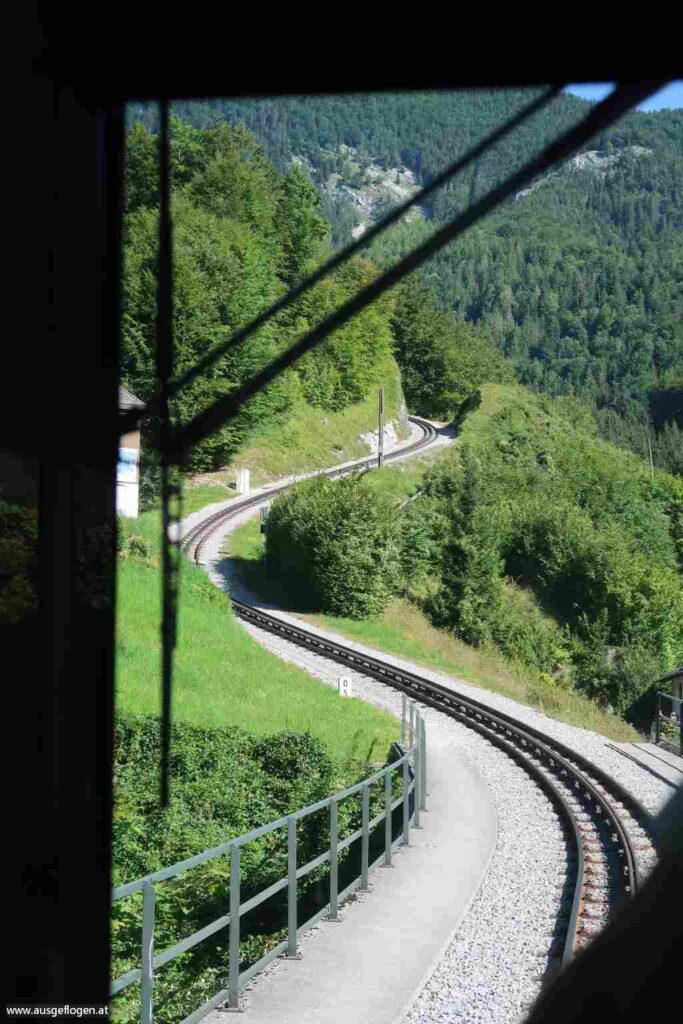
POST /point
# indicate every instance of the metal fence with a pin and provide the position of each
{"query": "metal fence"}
(668, 724)
(412, 764)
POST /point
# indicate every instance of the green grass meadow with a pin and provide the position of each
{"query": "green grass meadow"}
(222, 676)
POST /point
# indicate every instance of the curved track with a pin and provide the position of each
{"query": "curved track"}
(609, 833)
(193, 541)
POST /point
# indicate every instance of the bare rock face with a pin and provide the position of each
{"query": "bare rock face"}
(594, 161)
(372, 189)
(371, 439)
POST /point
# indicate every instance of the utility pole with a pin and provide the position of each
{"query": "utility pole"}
(649, 448)
(380, 449)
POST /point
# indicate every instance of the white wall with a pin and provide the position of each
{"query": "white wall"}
(127, 500)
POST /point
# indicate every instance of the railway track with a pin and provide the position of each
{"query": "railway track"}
(193, 541)
(609, 834)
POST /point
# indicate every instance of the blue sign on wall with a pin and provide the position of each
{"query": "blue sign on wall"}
(127, 470)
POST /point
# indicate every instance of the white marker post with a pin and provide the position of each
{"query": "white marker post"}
(380, 434)
(345, 686)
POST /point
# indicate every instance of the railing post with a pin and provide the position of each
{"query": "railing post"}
(412, 723)
(365, 838)
(234, 956)
(292, 891)
(659, 709)
(387, 819)
(423, 748)
(403, 719)
(406, 806)
(147, 965)
(334, 864)
(417, 774)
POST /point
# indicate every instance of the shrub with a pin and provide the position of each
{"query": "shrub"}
(519, 628)
(223, 783)
(621, 677)
(338, 543)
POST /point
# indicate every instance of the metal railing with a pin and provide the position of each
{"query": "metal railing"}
(412, 763)
(668, 724)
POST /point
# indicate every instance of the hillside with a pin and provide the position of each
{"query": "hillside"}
(578, 279)
(531, 540)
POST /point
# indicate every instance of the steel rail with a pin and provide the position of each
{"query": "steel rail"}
(500, 729)
(199, 533)
(590, 783)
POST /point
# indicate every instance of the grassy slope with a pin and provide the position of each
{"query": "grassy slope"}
(404, 630)
(223, 677)
(520, 409)
(312, 439)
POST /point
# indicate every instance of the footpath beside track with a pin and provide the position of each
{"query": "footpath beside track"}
(608, 833)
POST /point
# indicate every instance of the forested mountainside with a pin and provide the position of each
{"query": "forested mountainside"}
(579, 280)
(243, 234)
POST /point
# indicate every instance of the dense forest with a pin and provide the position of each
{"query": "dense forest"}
(578, 280)
(243, 233)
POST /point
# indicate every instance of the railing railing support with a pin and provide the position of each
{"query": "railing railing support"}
(406, 805)
(292, 892)
(334, 864)
(424, 765)
(417, 775)
(387, 820)
(147, 965)
(365, 838)
(234, 955)
(412, 760)
(403, 719)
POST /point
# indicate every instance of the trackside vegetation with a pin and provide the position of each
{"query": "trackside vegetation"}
(531, 537)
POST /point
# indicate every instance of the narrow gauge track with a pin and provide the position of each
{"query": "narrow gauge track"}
(609, 833)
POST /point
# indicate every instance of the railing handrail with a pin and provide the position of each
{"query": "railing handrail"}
(669, 696)
(414, 782)
(163, 874)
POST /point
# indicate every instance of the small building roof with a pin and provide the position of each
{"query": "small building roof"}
(128, 400)
(676, 674)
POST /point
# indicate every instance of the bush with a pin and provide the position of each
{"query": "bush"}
(619, 677)
(337, 543)
(522, 632)
(223, 783)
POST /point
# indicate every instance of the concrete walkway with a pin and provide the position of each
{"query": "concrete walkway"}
(660, 762)
(370, 967)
